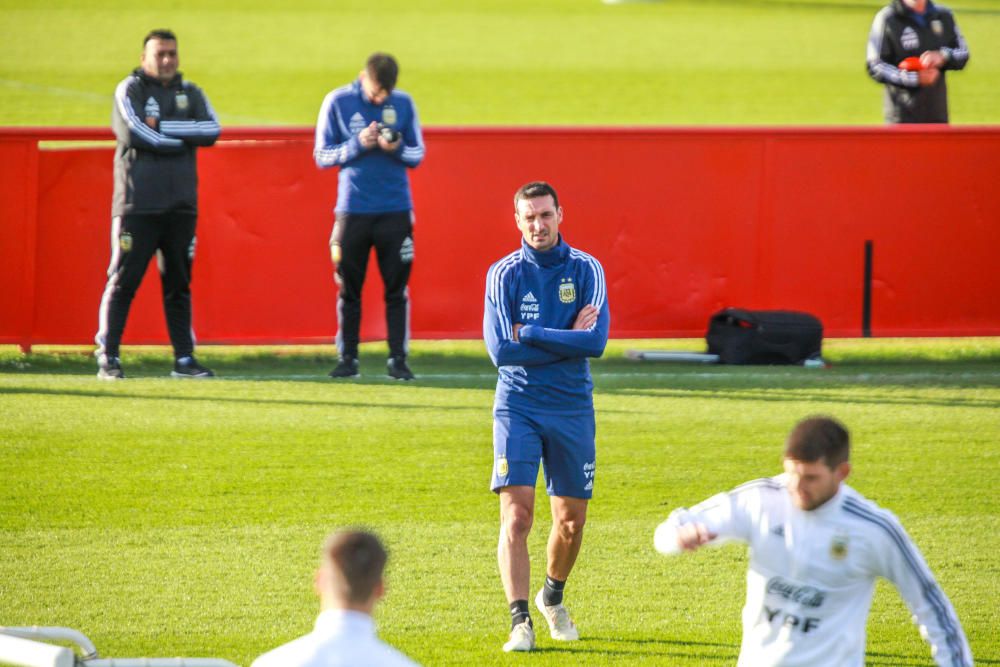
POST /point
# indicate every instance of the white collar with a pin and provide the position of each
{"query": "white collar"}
(345, 622)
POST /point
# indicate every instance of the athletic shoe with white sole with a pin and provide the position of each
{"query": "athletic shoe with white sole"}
(561, 626)
(397, 369)
(522, 638)
(109, 368)
(188, 367)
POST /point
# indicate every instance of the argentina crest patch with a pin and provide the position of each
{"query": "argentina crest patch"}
(125, 242)
(502, 467)
(182, 101)
(838, 547)
(567, 290)
(388, 115)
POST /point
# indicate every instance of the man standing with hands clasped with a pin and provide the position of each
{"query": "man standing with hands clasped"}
(371, 132)
(546, 312)
(911, 44)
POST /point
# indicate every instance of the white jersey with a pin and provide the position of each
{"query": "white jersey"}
(341, 638)
(812, 575)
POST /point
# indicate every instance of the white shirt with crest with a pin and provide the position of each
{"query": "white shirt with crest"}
(812, 575)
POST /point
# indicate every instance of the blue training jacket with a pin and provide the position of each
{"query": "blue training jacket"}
(370, 180)
(547, 371)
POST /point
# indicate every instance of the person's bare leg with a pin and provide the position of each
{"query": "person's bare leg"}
(568, 517)
(517, 509)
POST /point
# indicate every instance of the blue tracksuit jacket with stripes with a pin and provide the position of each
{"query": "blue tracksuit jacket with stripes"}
(547, 371)
(370, 180)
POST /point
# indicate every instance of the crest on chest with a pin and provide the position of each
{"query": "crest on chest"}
(567, 290)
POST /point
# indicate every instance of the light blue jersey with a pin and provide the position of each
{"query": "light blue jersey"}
(370, 180)
(547, 370)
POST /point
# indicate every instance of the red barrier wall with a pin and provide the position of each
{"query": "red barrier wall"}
(685, 221)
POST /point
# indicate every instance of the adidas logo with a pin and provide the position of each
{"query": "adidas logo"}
(529, 298)
(406, 251)
(152, 108)
(357, 123)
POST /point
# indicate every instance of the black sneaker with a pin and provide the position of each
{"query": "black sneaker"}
(347, 368)
(188, 367)
(109, 368)
(398, 369)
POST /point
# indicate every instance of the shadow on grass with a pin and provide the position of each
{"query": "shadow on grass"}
(161, 396)
(893, 659)
(703, 651)
(788, 393)
(647, 648)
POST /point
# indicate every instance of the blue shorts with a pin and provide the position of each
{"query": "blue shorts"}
(564, 443)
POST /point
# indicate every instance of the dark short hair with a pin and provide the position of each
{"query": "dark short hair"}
(819, 438)
(535, 189)
(162, 33)
(383, 68)
(358, 559)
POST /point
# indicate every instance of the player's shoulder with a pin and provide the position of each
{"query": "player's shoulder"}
(401, 97)
(868, 514)
(588, 265)
(582, 256)
(506, 263)
(887, 15)
(299, 651)
(190, 86)
(131, 80)
(942, 10)
(343, 92)
(764, 486)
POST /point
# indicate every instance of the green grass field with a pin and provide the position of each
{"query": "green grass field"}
(169, 518)
(165, 517)
(495, 62)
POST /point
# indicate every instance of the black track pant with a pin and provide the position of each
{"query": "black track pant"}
(135, 239)
(392, 236)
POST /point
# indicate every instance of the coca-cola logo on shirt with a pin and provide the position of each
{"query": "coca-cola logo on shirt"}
(807, 596)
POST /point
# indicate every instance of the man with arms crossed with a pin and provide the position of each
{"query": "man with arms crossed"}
(816, 549)
(349, 584)
(160, 120)
(546, 312)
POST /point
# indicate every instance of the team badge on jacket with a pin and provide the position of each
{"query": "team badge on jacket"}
(567, 291)
(937, 26)
(838, 547)
(182, 101)
(388, 115)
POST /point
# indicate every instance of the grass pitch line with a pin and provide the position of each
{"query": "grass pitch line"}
(107, 99)
(94, 98)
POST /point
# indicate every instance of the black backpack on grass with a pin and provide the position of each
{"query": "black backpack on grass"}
(764, 336)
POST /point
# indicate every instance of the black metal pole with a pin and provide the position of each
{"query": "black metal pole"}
(866, 305)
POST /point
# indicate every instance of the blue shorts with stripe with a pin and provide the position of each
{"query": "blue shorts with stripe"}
(563, 443)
